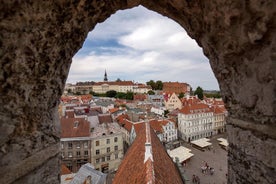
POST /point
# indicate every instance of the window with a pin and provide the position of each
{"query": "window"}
(62, 145)
(103, 159)
(115, 139)
(70, 145)
(62, 154)
(76, 124)
(115, 148)
(78, 153)
(108, 157)
(97, 160)
(97, 143)
(116, 156)
(85, 153)
(85, 144)
(77, 144)
(107, 141)
(97, 152)
(108, 149)
(70, 154)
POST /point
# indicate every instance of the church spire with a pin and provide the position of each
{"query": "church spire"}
(105, 76)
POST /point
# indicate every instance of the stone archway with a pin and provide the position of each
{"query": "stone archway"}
(38, 40)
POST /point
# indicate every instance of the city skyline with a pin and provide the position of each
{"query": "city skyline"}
(140, 45)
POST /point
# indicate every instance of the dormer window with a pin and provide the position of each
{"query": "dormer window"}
(76, 124)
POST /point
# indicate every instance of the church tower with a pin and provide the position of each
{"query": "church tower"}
(105, 76)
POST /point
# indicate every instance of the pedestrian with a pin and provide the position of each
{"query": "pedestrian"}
(212, 170)
(184, 163)
(197, 180)
(207, 166)
(194, 178)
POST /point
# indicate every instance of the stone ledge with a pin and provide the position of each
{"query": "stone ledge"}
(13, 172)
(261, 128)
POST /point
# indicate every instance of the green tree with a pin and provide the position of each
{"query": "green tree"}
(78, 93)
(111, 93)
(121, 95)
(129, 95)
(118, 80)
(92, 93)
(152, 84)
(159, 85)
(199, 92)
(181, 95)
(150, 92)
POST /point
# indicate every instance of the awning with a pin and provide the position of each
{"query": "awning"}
(181, 152)
(202, 142)
(223, 142)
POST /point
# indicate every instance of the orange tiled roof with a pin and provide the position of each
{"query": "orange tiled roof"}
(105, 118)
(113, 110)
(121, 83)
(68, 130)
(138, 126)
(122, 116)
(140, 97)
(126, 124)
(134, 170)
(157, 125)
(69, 114)
(219, 110)
(123, 120)
(195, 108)
(64, 170)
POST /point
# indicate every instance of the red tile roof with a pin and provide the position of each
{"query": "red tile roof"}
(138, 126)
(133, 169)
(69, 113)
(195, 108)
(121, 83)
(105, 118)
(156, 125)
(113, 110)
(64, 170)
(219, 110)
(123, 120)
(140, 97)
(86, 98)
(122, 116)
(69, 128)
(176, 87)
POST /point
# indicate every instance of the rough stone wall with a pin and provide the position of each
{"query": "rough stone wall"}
(38, 40)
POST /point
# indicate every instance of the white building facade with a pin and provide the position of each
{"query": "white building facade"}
(195, 122)
(169, 132)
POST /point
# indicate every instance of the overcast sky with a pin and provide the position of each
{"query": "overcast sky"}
(140, 45)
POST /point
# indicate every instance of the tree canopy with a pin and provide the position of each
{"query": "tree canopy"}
(199, 92)
(150, 92)
(158, 85)
(111, 93)
(181, 95)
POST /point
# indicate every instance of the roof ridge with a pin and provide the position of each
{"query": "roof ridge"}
(148, 160)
